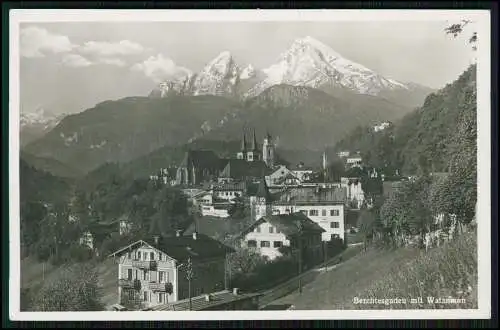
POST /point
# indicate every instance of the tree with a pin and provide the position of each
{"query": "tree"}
(244, 261)
(238, 209)
(457, 28)
(76, 289)
(366, 225)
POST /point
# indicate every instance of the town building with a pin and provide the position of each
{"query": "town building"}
(154, 271)
(354, 191)
(271, 233)
(281, 176)
(229, 191)
(325, 206)
(343, 154)
(354, 161)
(302, 172)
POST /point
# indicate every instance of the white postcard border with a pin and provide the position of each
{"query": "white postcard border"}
(480, 17)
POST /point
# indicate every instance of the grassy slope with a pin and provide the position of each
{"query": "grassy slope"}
(32, 277)
(403, 273)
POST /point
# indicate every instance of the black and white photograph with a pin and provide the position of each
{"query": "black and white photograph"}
(270, 164)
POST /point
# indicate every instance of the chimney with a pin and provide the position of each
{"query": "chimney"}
(156, 239)
(177, 233)
(208, 297)
(235, 291)
(194, 235)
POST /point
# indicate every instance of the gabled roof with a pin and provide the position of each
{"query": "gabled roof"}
(313, 194)
(240, 169)
(182, 247)
(288, 224)
(230, 186)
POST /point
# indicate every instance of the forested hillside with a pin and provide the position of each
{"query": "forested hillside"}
(428, 137)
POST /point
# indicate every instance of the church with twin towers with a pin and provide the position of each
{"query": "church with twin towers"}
(250, 151)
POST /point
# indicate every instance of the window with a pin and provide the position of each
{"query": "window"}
(278, 244)
(129, 274)
(161, 277)
(136, 274)
(334, 224)
(145, 255)
(271, 230)
(265, 244)
(334, 213)
(313, 212)
(160, 297)
(159, 256)
(139, 255)
(145, 296)
(258, 229)
(144, 275)
(152, 256)
(129, 255)
(334, 236)
(252, 243)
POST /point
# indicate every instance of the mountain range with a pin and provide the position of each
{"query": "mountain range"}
(308, 62)
(33, 125)
(309, 99)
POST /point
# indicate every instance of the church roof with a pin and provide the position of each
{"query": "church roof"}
(313, 195)
(201, 159)
(255, 145)
(240, 169)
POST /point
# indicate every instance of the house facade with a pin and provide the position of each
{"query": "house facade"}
(328, 215)
(271, 233)
(154, 272)
(354, 189)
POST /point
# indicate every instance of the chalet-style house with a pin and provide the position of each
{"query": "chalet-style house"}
(270, 233)
(154, 271)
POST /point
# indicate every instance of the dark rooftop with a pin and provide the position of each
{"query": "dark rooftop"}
(288, 224)
(240, 169)
(184, 246)
(200, 302)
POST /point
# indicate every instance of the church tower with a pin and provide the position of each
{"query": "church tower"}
(253, 153)
(325, 166)
(261, 202)
(242, 154)
(268, 151)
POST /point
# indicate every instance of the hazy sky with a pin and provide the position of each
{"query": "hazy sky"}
(69, 67)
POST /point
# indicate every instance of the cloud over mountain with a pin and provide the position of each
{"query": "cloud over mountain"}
(102, 48)
(160, 68)
(37, 42)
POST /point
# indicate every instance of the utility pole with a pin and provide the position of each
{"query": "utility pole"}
(300, 256)
(189, 277)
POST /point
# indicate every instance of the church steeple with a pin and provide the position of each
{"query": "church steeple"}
(244, 143)
(254, 141)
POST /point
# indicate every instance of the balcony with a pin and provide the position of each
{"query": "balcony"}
(161, 287)
(143, 264)
(129, 284)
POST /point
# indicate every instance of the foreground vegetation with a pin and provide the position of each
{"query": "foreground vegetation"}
(404, 273)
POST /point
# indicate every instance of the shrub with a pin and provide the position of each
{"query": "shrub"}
(443, 272)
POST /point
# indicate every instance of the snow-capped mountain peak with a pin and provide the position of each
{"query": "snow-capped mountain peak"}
(247, 72)
(219, 77)
(309, 62)
(39, 117)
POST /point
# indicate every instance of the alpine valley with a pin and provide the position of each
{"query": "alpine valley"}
(310, 98)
